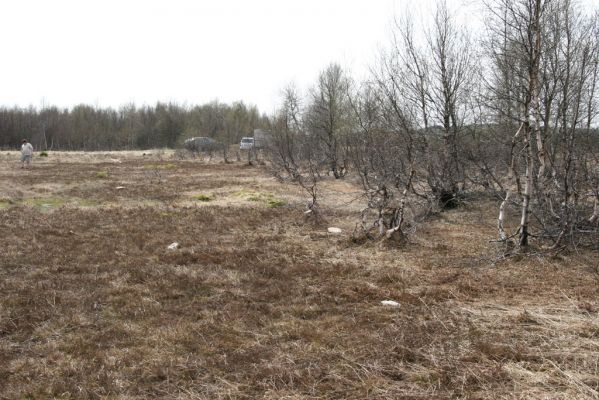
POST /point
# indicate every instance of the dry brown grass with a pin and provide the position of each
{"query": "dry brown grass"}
(258, 304)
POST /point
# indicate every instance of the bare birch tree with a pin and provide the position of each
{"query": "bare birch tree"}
(548, 51)
(327, 117)
(436, 80)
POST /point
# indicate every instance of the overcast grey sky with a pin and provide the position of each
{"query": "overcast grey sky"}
(112, 52)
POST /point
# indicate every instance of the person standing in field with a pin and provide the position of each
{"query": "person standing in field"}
(26, 153)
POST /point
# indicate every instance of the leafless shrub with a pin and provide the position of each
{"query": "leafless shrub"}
(382, 155)
(409, 124)
(295, 154)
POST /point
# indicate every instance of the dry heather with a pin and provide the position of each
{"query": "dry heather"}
(257, 303)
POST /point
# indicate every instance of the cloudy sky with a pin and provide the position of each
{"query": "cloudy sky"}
(113, 52)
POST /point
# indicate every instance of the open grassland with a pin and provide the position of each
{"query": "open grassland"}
(258, 303)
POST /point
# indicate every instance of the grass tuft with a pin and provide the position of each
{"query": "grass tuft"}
(102, 174)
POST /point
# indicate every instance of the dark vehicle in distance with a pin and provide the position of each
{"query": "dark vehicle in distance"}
(197, 144)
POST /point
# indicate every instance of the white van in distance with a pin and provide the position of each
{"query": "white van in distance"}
(246, 143)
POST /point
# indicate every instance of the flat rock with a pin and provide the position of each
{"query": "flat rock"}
(173, 246)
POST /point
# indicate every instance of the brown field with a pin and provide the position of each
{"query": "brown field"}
(258, 303)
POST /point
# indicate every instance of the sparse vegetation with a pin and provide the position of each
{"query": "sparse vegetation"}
(429, 232)
(258, 304)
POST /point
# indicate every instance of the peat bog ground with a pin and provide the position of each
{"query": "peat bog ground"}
(259, 303)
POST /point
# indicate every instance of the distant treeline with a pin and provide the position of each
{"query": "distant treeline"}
(130, 127)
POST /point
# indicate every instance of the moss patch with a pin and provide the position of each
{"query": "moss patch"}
(5, 203)
(102, 174)
(203, 197)
(268, 199)
(274, 203)
(44, 202)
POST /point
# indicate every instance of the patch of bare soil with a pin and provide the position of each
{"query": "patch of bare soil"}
(257, 303)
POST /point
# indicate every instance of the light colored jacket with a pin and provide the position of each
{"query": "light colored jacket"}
(26, 149)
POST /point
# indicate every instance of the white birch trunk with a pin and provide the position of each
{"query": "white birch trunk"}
(595, 215)
(526, 200)
(501, 218)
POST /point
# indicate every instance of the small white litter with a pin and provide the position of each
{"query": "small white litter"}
(119, 187)
(334, 230)
(390, 303)
(174, 246)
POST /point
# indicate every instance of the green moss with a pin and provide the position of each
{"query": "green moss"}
(4, 203)
(243, 193)
(44, 202)
(246, 194)
(102, 174)
(268, 199)
(274, 203)
(203, 197)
